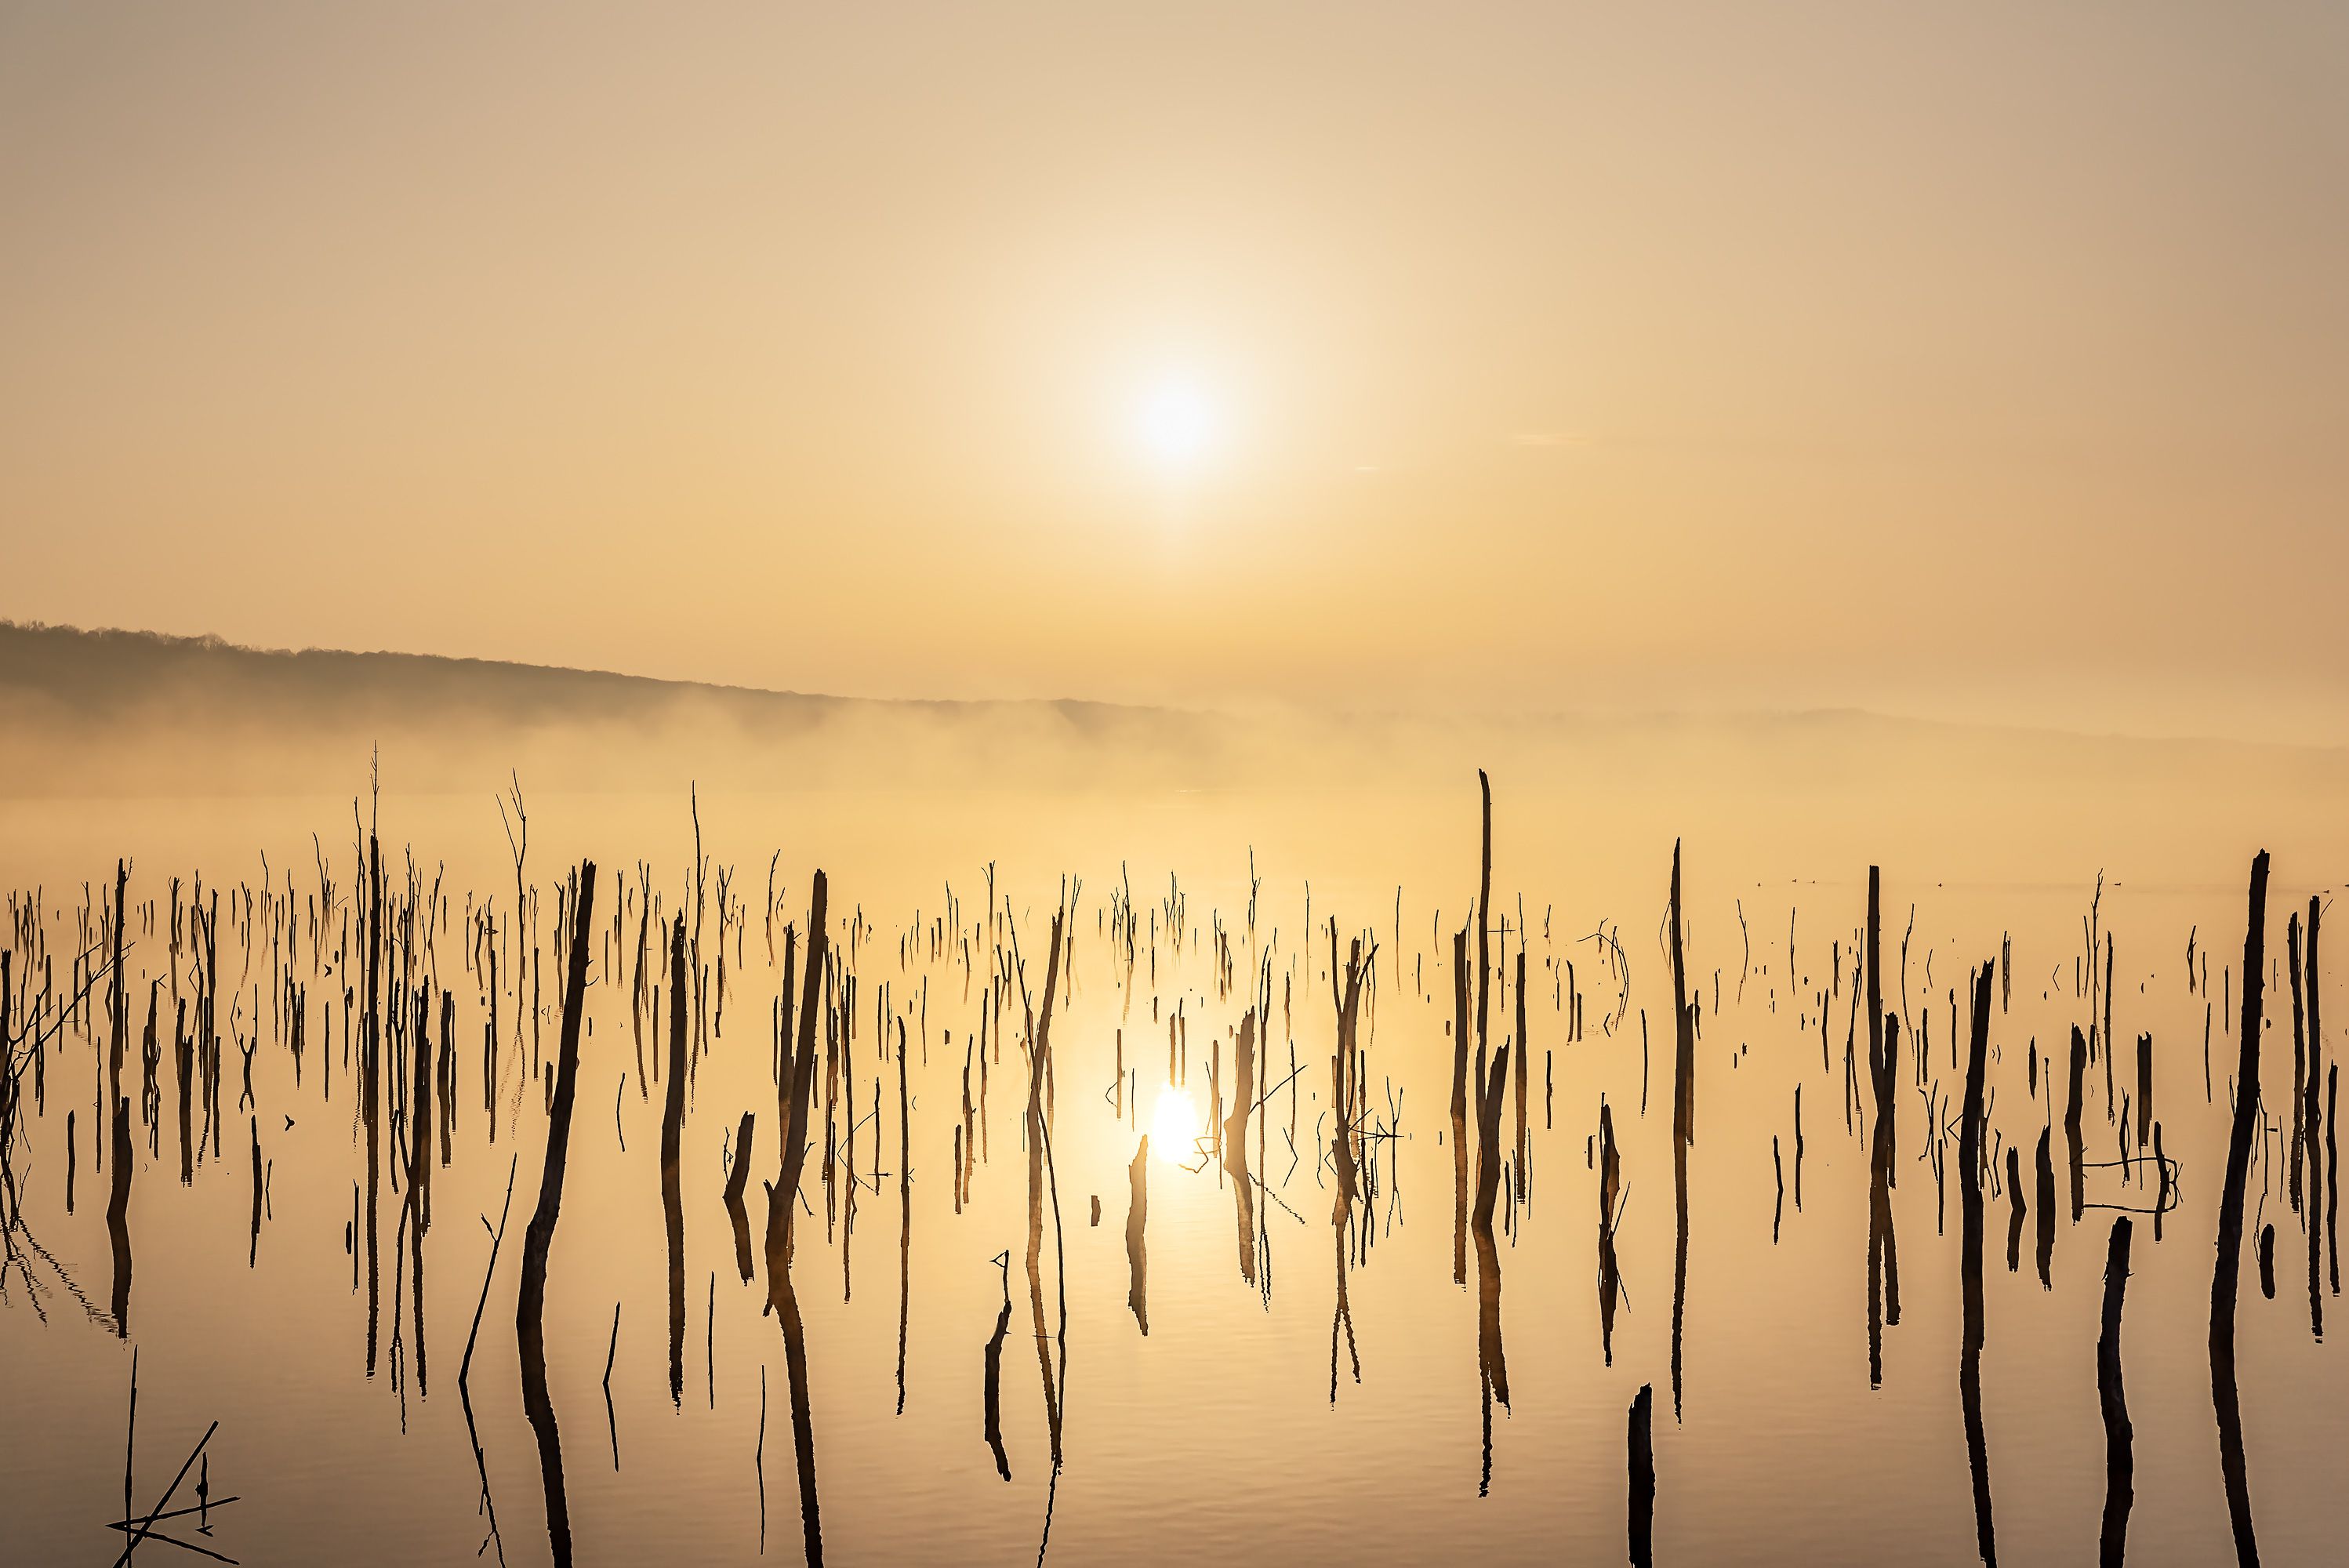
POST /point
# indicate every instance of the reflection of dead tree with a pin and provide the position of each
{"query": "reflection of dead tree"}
(20, 1047)
(465, 1369)
(517, 829)
(1137, 1222)
(1043, 1179)
(725, 895)
(993, 1371)
(538, 1235)
(21, 1234)
(1348, 1139)
(1745, 951)
(2166, 1176)
(1610, 947)
(1610, 1220)
(772, 864)
(694, 972)
(2245, 1127)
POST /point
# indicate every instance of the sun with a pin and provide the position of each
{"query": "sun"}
(1174, 1125)
(1177, 425)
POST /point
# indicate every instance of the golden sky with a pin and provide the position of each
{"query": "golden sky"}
(1986, 361)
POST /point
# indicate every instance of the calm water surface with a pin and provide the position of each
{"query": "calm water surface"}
(1463, 1399)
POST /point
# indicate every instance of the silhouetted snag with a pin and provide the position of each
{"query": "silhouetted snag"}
(964, 1140)
(1610, 1179)
(672, 1144)
(2313, 1114)
(2162, 1182)
(538, 1235)
(740, 1174)
(1483, 920)
(184, 1072)
(117, 996)
(1488, 1141)
(1344, 1089)
(448, 1097)
(638, 994)
(371, 1069)
(1042, 1180)
(1460, 1108)
(2112, 1043)
(736, 1215)
(2224, 1396)
(904, 1213)
(2297, 1139)
(1235, 1157)
(2044, 1198)
(12, 1066)
(2016, 1209)
(1524, 1144)
(1879, 1051)
(1970, 1197)
(420, 1119)
(150, 1098)
(2120, 1467)
(1640, 1514)
(118, 1215)
(783, 1195)
(1684, 1026)
(253, 1245)
(1683, 1120)
(848, 1208)
(2072, 1139)
(1883, 1043)
(139, 1531)
(1798, 1141)
(1137, 1216)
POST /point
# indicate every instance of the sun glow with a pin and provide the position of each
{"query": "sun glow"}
(1174, 1125)
(1178, 426)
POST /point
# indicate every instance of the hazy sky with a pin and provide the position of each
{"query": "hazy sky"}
(1981, 360)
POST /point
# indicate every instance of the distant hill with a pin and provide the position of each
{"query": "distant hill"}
(117, 706)
(131, 714)
(104, 674)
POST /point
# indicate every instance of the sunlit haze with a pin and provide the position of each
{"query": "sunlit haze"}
(1984, 363)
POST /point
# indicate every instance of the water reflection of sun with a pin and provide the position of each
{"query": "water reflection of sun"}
(1175, 1126)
